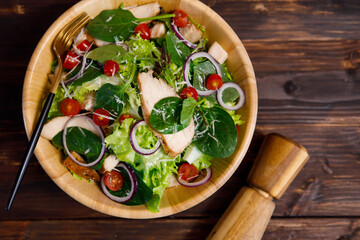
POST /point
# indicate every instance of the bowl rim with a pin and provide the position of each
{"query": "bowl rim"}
(237, 159)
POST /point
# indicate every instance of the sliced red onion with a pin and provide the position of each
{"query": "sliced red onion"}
(133, 180)
(181, 37)
(102, 152)
(135, 144)
(238, 89)
(199, 183)
(186, 70)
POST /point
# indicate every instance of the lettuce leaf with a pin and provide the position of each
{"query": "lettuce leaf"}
(119, 141)
(202, 162)
(234, 116)
(145, 137)
(144, 52)
(155, 169)
(132, 102)
(55, 105)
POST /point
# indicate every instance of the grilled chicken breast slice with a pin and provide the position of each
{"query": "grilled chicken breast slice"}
(153, 90)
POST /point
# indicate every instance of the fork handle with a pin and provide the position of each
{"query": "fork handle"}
(30, 148)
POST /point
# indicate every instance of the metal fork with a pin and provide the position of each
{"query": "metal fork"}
(61, 44)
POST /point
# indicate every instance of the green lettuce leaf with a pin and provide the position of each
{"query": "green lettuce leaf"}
(145, 137)
(154, 169)
(55, 105)
(119, 141)
(132, 102)
(144, 52)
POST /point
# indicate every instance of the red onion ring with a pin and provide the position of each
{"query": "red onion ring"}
(181, 37)
(102, 152)
(135, 144)
(238, 89)
(199, 183)
(186, 70)
(133, 180)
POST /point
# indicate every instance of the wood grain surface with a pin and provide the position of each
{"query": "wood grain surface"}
(306, 56)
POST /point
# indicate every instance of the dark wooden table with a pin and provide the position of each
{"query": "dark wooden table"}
(306, 55)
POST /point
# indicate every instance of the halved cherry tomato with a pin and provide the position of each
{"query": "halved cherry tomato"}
(111, 68)
(181, 18)
(70, 107)
(71, 60)
(84, 45)
(101, 117)
(113, 180)
(187, 172)
(123, 117)
(214, 82)
(189, 92)
(144, 31)
(238, 129)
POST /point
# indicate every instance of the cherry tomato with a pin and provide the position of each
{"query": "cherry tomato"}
(84, 45)
(214, 82)
(71, 60)
(123, 117)
(70, 107)
(181, 18)
(111, 68)
(238, 129)
(113, 180)
(101, 117)
(189, 92)
(144, 31)
(187, 172)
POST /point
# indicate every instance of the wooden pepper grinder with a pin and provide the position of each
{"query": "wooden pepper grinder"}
(280, 159)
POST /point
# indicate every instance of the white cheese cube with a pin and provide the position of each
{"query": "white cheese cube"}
(218, 53)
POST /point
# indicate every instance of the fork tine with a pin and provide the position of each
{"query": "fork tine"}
(70, 24)
(70, 34)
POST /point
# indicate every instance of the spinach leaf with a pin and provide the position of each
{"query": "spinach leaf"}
(201, 71)
(218, 135)
(83, 142)
(89, 74)
(111, 24)
(143, 193)
(177, 50)
(111, 98)
(187, 111)
(108, 52)
(116, 24)
(165, 116)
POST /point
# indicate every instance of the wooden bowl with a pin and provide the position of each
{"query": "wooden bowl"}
(36, 87)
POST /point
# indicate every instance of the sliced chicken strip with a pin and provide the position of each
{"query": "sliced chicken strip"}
(146, 11)
(153, 90)
(191, 33)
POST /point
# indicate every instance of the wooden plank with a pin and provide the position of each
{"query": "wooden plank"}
(269, 57)
(270, 20)
(291, 20)
(318, 228)
(327, 186)
(184, 229)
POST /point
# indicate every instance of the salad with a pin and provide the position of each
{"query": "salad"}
(143, 102)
